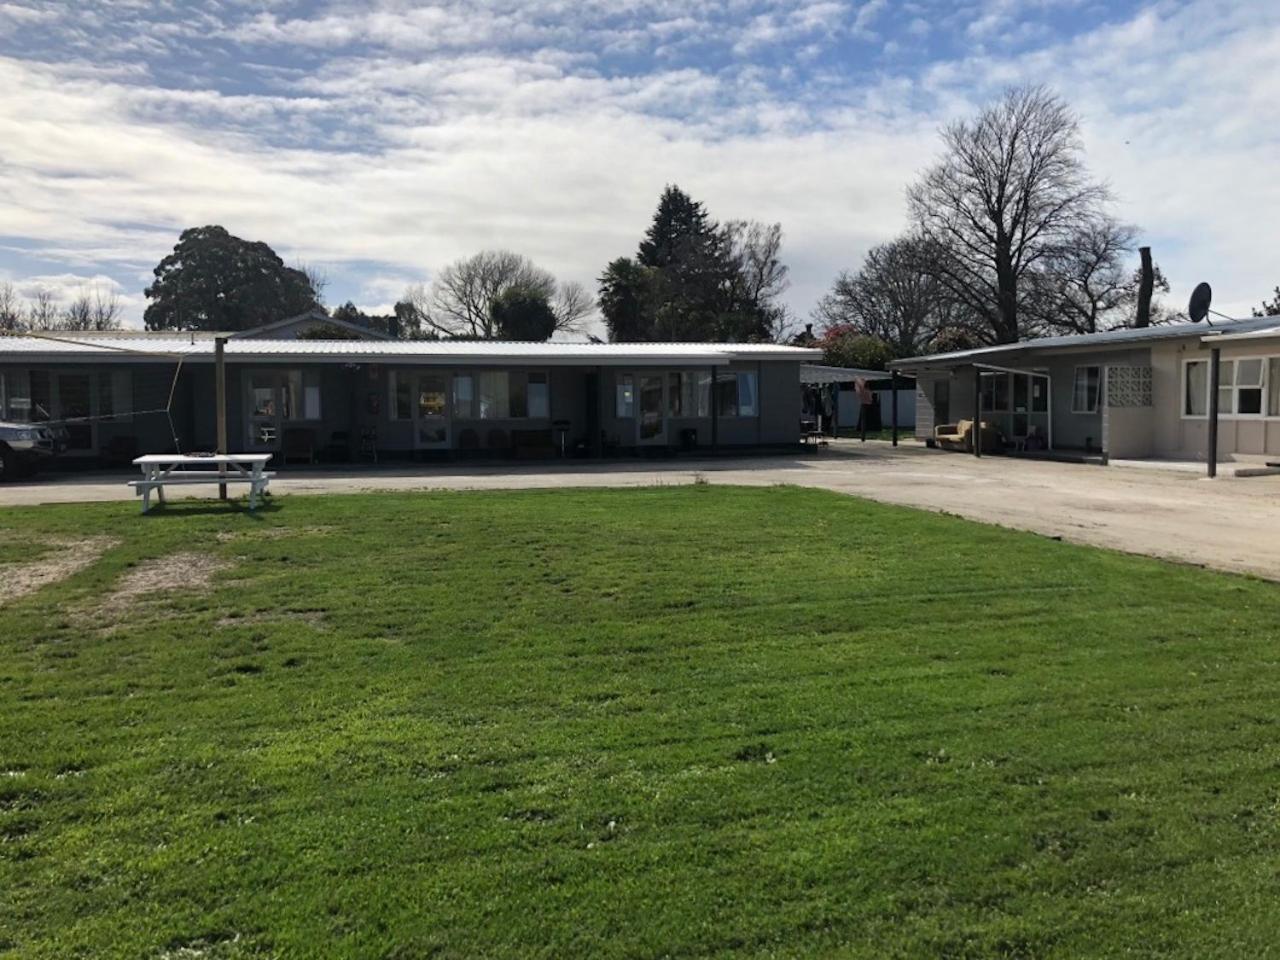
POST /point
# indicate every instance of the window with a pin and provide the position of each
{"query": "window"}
(400, 397)
(1248, 386)
(1195, 397)
(1039, 395)
(624, 397)
(736, 395)
(495, 395)
(115, 395)
(464, 396)
(1273, 387)
(1084, 391)
(1226, 377)
(301, 395)
(539, 396)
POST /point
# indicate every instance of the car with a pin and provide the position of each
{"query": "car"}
(24, 447)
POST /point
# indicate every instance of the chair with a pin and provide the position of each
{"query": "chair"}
(299, 444)
(959, 436)
(369, 444)
(338, 449)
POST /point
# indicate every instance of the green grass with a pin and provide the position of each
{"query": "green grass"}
(683, 722)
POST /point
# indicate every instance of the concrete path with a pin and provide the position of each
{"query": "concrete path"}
(1230, 524)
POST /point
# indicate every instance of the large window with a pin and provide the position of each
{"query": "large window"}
(300, 398)
(464, 393)
(115, 395)
(502, 395)
(688, 393)
(995, 392)
(736, 395)
(1247, 387)
(1085, 390)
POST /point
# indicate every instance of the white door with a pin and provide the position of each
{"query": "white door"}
(651, 415)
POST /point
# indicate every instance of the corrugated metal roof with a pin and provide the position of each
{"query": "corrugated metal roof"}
(821, 373)
(1172, 331)
(1263, 333)
(455, 351)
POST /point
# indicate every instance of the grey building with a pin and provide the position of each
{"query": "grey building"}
(287, 393)
(1129, 393)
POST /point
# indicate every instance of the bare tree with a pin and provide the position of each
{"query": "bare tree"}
(11, 313)
(459, 302)
(893, 297)
(1083, 286)
(317, 277)
(1011, 190)
(106, 310)
(42, 311)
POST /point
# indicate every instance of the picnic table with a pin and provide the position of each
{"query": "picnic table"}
(163, 469)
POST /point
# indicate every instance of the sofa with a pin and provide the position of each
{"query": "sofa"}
(959, 436)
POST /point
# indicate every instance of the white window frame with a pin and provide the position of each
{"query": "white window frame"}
(1266, 412)
(1097, 397)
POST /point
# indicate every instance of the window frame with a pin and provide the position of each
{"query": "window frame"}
(1267, 362)
(736, 377)
(1097, 392)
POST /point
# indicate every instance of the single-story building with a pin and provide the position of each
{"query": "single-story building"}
(1129, 393)
(124, 393)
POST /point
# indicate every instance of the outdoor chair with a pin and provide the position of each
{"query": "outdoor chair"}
(959, 436)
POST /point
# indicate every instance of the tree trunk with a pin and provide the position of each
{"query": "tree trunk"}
(1145, 286)
(1007, 283)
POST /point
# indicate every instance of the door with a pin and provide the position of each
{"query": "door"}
(651, 420)
(941, 402)
(75, 408)
(264, 411)
(431, 420)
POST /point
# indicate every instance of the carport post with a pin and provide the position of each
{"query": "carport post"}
(220, 406)
(893, 393)
(976, 432)
(1215, 356)
(715, 415)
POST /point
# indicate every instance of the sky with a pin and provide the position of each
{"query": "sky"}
(379, 141)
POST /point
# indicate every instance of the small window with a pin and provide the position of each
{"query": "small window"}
(1039, 395)
(1084, 391)
(539, 396)
(1226, 390)
(301, 398)
(518, 395)
(746, 395)
(1195, 398)
(726, 394)
(1273, 387)
(400, 396)
(463, 396)
(625, 397)
(1249, 386)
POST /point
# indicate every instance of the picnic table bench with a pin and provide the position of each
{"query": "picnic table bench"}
(164, 469)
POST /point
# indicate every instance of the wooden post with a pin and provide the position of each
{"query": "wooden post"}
(893, 393)
(976, 432)
(1215, 356)
(220, 405)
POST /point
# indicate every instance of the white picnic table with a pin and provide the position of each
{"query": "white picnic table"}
(162, 469)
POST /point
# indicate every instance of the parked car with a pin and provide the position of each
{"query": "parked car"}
(24, 447)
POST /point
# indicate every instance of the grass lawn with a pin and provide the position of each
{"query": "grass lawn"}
(696, 721)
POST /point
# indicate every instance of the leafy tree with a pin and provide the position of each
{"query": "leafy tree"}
(214, 280)
(692, 279)
(519, 314)
(459, 302)
(845, 346)
(1010, 196)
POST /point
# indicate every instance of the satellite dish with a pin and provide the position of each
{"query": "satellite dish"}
(1201, 297)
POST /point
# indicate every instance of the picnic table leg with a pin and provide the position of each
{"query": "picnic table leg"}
(159, 488)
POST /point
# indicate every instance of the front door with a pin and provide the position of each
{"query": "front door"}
(941, 402)
(431, 423)
(651, 422)
(264, 411)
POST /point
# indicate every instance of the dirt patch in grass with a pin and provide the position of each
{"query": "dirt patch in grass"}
(54, 560)
(190, 573)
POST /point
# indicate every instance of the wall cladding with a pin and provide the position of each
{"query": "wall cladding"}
(1128, 386)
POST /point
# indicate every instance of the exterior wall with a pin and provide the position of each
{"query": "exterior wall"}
(357, 397)
(1187, 438)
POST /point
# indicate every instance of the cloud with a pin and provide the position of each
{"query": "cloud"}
(380, 141)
